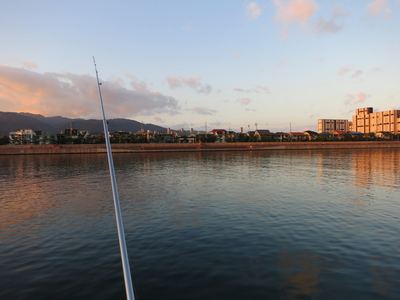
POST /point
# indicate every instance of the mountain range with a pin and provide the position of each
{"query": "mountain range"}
(11, 121)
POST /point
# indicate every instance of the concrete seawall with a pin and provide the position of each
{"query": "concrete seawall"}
(139, 148)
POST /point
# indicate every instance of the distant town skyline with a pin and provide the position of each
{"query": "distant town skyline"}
(178, 64)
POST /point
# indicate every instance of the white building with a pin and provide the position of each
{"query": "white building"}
(22, 137)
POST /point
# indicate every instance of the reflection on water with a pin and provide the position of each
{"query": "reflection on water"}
(239, 225)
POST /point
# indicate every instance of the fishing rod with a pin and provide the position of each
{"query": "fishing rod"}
(118, 217)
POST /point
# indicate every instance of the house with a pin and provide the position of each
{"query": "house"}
(221, 133)
(281, 137)
(22, 137)
(341, 135)
(262, 135)
(384, 134)
(184, 137)
(45, 138)
(311, 135)
(297, 136)
(73, 133)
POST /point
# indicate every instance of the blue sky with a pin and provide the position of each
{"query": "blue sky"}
(180, 64)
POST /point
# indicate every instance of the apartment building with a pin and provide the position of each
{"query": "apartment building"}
(330, 125)
(22, 137)
(367, 121)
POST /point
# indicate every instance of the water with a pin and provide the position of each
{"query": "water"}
(230, 225)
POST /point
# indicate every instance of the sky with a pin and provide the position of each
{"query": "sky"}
(275, 64)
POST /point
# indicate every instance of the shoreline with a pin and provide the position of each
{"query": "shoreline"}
(195, 147)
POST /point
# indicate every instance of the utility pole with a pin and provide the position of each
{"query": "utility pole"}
(206, 130)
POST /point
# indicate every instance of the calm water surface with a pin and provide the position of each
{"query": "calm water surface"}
(231, 225)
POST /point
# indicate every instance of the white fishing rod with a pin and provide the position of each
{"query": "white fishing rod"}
(120, 227)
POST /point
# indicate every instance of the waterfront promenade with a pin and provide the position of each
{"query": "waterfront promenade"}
(139, 148)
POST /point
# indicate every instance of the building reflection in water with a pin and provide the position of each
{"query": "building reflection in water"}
(42, 184)
(301, 275)
(369, 167)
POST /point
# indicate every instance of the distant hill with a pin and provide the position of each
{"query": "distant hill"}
(11, 121)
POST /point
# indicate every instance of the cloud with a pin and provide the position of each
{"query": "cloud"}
(174, 82)
(244, 101)
(235, 55)
(262, 88)
(322, 27)
(377, 69)
(203, 111)
(241, 90)
(216, 124)
(320, 60)
(280, 63)
(379, 7)
(361, 98)
(294, 11)
(299, 13)
(74, 95)
(352, 99)
(253, 11)
(257, 89)
(291, 12)
(205, 89)
(344, 70)
(187, 28)
(140, 86)
(158, 119)
(127, 74)
(28, 64)
(192, 82)
(357, 73)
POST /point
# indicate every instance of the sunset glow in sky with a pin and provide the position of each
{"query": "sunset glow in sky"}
(183, 63)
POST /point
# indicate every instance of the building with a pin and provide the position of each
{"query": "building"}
(22, 137)
(330, 125)
(366, 121)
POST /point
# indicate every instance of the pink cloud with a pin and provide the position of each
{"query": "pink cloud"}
(253, 11)
(378, 7)
(262, 88)
(140, 86)
(357, 73)
(300, 12)
(244, 101)
(192, 82)
(294, 12)
(352, 99)
(203, 111)
(127, 74)
(28, 64)
(235, 55)
(361, 98)
(280, 63)
(174, 82)
(74, 95)
(257, 89)
(241, 90)
(187, 28)
(344, 70)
